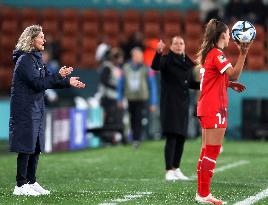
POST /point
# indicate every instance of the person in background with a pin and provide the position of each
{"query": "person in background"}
(215, 71)
(176, 78)
(27, 109)
(52, 66)
(134, 41)
(138, 85)
(101, 50)
(110, 73)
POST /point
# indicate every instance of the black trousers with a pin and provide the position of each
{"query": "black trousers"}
(26, 166)
(173, 150)
(136, 110)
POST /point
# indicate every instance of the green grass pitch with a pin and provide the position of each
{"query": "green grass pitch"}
(122, 175)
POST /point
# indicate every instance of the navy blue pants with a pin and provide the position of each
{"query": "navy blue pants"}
(26, 166)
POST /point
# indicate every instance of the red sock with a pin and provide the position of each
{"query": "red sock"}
(199, 167)
(208, 165)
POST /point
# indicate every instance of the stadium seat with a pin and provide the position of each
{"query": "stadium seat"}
(88, 45)
(70, 28)
(152, 30)
(87, 60)
(113, 41)
(256, 62)
(68, 43)
(151, 16)
(10, 13)
(172, 16)
(90, 16)
(110, 28)
(8, 41)
(69, 14)
(28, 22)
(5, 79)
(131, 22)
(90, 29)
(171, 29)
(110, 15)
(192, 16)
(68, 59)
(131, 16)
(30, 14)
(9, 27)
(130, 28)
(7, 44)
(260, 33)
(192, 46)
(51, 27)
(257, 48)
(50, 14)
(6, 57)
(193, 30)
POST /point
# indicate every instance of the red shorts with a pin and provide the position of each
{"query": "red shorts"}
(209, 122)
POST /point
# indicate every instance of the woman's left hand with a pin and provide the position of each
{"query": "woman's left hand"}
(74, 81)
(238, 87)
(65, 71)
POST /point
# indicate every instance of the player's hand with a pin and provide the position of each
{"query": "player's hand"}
(76, 83)
(244, 47)
(65, 71)
(238, 87)
(160, 46)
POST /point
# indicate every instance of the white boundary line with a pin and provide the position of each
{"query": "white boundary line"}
(252, 199)
(225, 167)
(126, 198)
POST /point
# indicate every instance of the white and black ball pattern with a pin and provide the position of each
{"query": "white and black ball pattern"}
(243, 32)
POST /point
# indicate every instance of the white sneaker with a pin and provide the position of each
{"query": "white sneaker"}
(170, 175)
(208, 200)
(180, 175)
(36, 187)
(25, 190)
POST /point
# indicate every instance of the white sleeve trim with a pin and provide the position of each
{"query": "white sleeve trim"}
(225, 68)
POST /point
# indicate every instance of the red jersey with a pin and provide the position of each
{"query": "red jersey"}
(213, 85)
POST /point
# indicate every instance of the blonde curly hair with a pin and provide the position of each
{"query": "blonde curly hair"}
(25, 40)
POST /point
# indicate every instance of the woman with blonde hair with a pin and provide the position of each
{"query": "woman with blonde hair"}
(215, 71)
(27, 109)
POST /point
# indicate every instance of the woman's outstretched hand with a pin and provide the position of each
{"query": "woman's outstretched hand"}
(238, 87)
(65, 71)
(76, 83)
(160, 46)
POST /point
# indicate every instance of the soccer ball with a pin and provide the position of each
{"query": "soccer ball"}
(243, 32)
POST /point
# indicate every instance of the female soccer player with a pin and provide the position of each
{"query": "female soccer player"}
(215, 71)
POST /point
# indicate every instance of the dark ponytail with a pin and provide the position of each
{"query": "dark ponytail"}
(214, 29)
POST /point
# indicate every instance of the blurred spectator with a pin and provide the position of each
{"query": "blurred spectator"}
(109, 76)
(210, 9)
(134, 41)
(151, 46)
(234, 10)
(52, 65)
(51, 96)
(138, 85)
(53, 47)
(252, 10)
(256, 12)
(102, 49)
